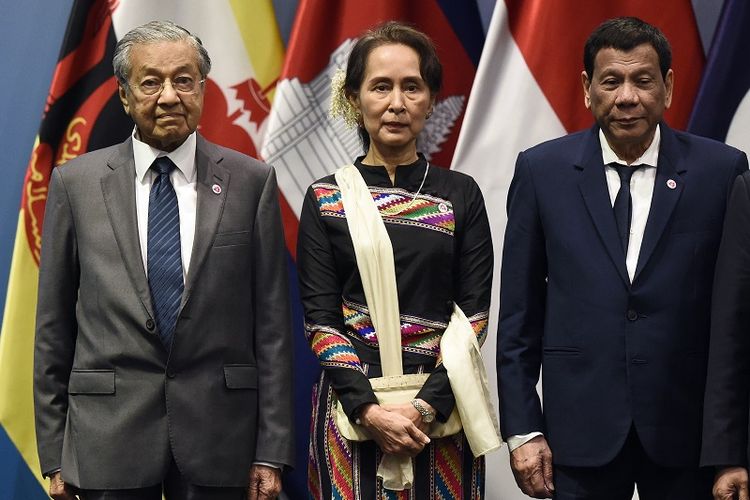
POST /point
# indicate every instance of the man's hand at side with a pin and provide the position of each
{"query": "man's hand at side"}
(265, 482)
(532, 467)
(730, 483)
(58, 490)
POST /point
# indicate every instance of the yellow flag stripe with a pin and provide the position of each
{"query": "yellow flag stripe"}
(256, 21)
(17, 352)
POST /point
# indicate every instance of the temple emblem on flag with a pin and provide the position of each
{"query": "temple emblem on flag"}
(304, 144)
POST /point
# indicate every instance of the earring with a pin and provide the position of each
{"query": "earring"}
(428, 115)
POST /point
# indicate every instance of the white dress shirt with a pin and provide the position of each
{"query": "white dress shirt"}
(183, 180)
(641, 192)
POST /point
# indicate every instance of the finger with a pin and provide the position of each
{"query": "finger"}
(270, 493)
(252, 489)
(418, 435)
(534, 471)
(547, 473)
(719, 494)
(270, 487)
(538, 486)
(744, 494)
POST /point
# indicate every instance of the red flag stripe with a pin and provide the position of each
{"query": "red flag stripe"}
(553, 49)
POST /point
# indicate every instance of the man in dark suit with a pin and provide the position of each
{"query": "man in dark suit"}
(606, 282)
(727, 403)
(163, 340)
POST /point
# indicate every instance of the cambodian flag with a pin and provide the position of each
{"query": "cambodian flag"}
(302, 143)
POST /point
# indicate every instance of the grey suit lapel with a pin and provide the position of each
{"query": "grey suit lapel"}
(212, 185)
(118, 188)
(593, 187)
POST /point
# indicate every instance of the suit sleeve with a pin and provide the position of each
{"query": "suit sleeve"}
(522, 308)
(727, 401)
(473, 287)
(56, 325)
(273, 332)
(321, 293)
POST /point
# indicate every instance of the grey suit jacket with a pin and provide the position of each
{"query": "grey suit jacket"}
(111, 402)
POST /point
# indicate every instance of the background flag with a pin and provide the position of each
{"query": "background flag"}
(302, 143)
(528, 90)
(82, 113)
(722, 108)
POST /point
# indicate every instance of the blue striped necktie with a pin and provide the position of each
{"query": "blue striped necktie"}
(164, 256)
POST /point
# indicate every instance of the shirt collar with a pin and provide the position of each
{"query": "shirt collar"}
(184, 156)
(650, 157)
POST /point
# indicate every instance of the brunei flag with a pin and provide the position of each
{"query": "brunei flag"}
(83, 113)
(528, 90)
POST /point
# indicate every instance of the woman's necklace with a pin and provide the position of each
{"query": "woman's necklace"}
(391, 212)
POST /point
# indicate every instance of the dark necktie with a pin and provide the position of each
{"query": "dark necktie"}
(624, 204)
(164, 256)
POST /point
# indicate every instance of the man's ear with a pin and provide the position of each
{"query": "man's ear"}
(123, 93)
(586, 86)
(669, 85)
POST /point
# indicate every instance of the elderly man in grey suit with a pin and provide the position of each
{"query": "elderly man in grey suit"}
(163, 341)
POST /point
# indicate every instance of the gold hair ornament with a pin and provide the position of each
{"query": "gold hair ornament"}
(341, 107)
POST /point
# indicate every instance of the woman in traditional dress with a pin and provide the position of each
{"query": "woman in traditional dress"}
(438, 227)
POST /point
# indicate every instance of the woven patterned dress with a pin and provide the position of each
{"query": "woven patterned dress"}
(443, 253)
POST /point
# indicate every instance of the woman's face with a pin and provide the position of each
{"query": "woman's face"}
(393, 98)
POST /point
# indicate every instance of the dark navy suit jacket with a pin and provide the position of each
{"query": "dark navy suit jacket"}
(613, 354)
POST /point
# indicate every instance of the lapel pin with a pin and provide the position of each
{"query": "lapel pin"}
(671, 184)
(217, 189)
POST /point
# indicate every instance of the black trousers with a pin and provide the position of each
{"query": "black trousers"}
(175, 487)
(632, 467)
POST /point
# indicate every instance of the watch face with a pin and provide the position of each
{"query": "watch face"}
(427, 419)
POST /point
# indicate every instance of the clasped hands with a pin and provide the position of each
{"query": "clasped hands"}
(397, 429)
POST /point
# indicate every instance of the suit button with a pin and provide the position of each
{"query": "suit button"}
(150, 325)
(632, 315)
(170, 374)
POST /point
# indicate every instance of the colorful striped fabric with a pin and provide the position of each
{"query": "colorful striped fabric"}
(418, 335)
(331, 347)
(342, 469)
(396, 206)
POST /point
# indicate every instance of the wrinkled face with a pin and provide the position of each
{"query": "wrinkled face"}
(166, 118)
(393, 98)
(628, 95)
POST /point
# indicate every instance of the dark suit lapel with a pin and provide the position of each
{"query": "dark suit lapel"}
(212, 185)
(593, 187)
(667, 190)
(118, 188)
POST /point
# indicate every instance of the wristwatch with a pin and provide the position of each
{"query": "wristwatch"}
(427, 416)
